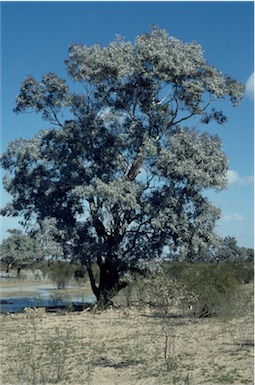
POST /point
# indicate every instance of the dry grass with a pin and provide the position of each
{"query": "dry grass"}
(126, 347)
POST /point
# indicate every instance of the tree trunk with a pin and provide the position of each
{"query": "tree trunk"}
(109, 281)
(8, 267)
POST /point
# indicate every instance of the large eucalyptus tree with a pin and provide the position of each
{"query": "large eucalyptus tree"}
(119, 171)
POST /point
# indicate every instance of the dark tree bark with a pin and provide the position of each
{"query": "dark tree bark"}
(8, 267)
(109, 282)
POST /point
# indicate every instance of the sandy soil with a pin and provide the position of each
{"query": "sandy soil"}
(125, 347)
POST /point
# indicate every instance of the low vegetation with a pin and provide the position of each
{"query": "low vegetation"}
(62, 273)
(184, 324)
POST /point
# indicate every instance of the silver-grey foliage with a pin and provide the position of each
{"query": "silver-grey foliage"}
(123, 176)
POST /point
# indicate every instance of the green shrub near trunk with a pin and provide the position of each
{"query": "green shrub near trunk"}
(213, 284)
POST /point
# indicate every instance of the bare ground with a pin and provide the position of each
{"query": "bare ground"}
(125, 347)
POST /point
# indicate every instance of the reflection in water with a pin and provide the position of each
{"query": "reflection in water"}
(54, 303)
(38, 295)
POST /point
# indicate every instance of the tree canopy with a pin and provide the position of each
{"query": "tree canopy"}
(119, 170)
(20, 251)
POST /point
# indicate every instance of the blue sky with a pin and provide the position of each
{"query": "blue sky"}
(35, 37)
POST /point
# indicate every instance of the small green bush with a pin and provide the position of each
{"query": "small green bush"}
(80, 275)
(244, 271)
(213, 285)
(61, 273)
(175, 269)
(45, 269)
(165, 293)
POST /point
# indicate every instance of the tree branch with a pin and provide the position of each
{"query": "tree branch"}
(135, 168)
(56, 118)
(94, 287)
(98, 224)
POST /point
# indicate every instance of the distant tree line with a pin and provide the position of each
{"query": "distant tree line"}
(225, 250)
(20, 251)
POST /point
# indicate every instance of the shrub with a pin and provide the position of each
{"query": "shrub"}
(80, 275)
(213, 285)
(175, 269)
(205, 288)
(244, 272)
(61, 273)
(158, 291)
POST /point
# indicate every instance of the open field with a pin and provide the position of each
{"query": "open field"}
(128, 346)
